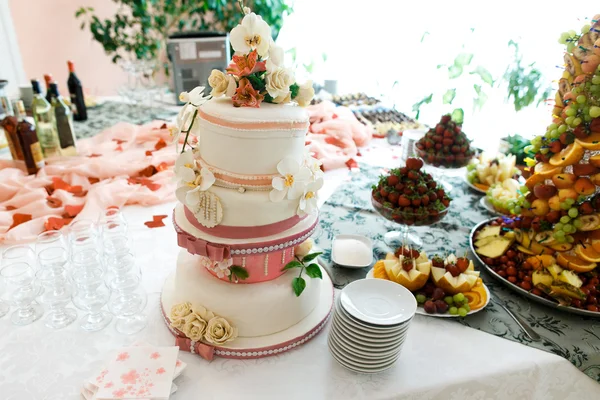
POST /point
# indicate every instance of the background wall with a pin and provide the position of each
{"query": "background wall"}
(48, 35)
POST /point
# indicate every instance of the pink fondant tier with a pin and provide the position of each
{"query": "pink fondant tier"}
(262, 258)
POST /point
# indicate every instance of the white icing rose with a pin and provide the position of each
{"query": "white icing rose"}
(180, 310)
(194, 327)
(221, 84)
(219, 331)
(178, 323)
(306, 92)
(303, 248)
(203, 313)
(279, 81)
(283, 98)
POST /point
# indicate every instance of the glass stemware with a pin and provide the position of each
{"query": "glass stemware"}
(50, 239)
(112, 223)
(127, 305)
(91, 294)
(83, 235)
(18, 278)
(57, 295)
(20, 253)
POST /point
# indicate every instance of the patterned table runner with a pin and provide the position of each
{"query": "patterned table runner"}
(349, 210)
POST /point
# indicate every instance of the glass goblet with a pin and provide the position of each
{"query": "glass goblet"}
(19, 253)
(54, 259)
(18, 279)
(123, 272)
(57, 295)
(116, 247)
(112, 222)
(50, 239)
(83, 235)
(127, 305)
(91, 294)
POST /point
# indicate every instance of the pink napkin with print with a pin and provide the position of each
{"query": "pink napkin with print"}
(125, 164)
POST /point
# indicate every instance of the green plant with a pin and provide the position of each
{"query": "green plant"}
(524, 82)
(140, 28)
(312, 270)
(517, 147)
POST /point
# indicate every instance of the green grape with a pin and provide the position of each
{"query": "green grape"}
(577, 223)
(570, 201)
(449, 300)
(568, 228)
(421, 298)
(470, 167)
(585, 28)
(536, 141)
(559, 234)
(565, 206)
(581, 99)
(544, 150)
(588, 85)
(594, 112)
(462, 312)
(565, 219)
(571, 33)
(561, 239)
(555, 134)
(576, 90)
(562, 128)
(577, 121)
(517, 210)
(453, 311)
(459, 298)
(573, 213)
(587, 118)
(526, 204)
(596, 80)
(569, 120)
(552, 126)
(467, 307)
(586, 110)
(570, 47)
(524, 189)
(570, 239)
(571, 112)
(558, 226)
(580, 199)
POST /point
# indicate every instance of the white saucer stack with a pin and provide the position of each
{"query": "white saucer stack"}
(369, 324)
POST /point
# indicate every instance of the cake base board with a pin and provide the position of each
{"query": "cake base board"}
(265, 346)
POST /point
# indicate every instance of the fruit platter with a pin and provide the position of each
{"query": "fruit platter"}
(445, 145)
(560, 275)
(445, 286)
(503, 197)
(484, 171)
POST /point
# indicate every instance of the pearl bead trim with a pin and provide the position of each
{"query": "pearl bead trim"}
(234, 175)
(268, 249)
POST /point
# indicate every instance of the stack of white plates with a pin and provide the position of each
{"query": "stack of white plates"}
(370, 323)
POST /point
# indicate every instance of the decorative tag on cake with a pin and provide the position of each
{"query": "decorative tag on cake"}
(209, 211)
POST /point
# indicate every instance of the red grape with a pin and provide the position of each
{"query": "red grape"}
(512, 279)
(441, 306)
(429, 307)
(438, 294)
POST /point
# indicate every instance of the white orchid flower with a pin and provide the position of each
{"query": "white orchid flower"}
(221, 268)
(306, 92)
(182, 121)
(312, 163)
(309, 198)
(290, 183)
(195, 97)
(202, 183)
(191, 181)
(276, 57)
(252, 34)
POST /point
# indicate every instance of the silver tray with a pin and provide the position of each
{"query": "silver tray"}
(512, 286)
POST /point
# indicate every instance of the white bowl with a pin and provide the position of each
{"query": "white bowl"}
(378, 302)
(352, 251)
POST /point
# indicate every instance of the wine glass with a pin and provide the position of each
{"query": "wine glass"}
(405, 219)
(115, 247)
(18, 278)
(57, 295)
(50, 239)
(83, 235)
(20, 253)
(112, 222)
(123, 273)
(127, 305)
(91, 294)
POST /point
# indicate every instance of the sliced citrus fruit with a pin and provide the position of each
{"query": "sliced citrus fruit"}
(596, 244)
(481, 186)
(591, 142)
(546, 170)
(379, 270)
(587, 253)
(595, 160)
(574, 263)
(568, 156)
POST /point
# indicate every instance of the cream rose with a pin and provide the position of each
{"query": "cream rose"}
(180, 310)
(283, 99)
(219, 331)
(303, 248)
(306, 92)
(279, 81)
(178, 323)
(203, 313)
(221, 84)
(194, 327)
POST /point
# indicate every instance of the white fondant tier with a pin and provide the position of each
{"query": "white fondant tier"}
(256, 310)
(250, 141)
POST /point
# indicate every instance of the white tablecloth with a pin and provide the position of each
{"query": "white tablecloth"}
(440, 360)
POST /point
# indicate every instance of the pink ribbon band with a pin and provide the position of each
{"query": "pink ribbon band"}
(254, 125)
(194, 245)
(244, 232)
(203, 350)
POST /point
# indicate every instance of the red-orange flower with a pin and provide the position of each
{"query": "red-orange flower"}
(246, 65)
(246, 96)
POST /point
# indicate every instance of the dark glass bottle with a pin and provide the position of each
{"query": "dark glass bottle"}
(76, 92)
(48, 79)
(9, 125)
(63, 120)
(32, 151)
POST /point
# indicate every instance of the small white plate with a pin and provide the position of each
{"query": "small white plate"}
(354, 358)
(487, 205)
(362, 369)
(377, 329)
(421, 310)
(368, 334)
(360, 350)
(369, 343)
(378, 302)
(361, 339)
(475, 188)
(357, 254)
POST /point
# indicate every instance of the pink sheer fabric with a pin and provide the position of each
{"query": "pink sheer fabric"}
(112, 157)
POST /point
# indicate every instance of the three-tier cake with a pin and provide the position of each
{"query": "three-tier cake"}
(246, 284)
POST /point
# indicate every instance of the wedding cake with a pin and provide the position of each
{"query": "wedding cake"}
(246, 284)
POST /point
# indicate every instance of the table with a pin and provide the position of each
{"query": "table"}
(441, 359)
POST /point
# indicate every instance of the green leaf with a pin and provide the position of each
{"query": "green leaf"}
(238, 272)
(425, 34)
(417, 106)
(292, 264)
(257, 83)
(477, 89)
(309, 257)
(463, 59)
(314, 271)
(484, 74)
(449, 96)
(268, 98)
(294, 89)
(479, 101)
(440, 66)
(298, 284)
(454, 71)
(458, 115)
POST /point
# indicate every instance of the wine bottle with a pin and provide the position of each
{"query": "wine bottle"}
(49, 80)
(44, 124)
(63, 121)
(76, 92)
(9, 125)
(32, 151)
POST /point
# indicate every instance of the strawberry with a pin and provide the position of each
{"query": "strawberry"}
(447, 142)
(438, 262)
(585, 208)
(438, 146)
(453, 269)
(446, 203)
(430, 158)
(414, 253)
(421, 189)
(445, 119)
(455, 149)
(403, 201)
(446, 149)
(412, 175)
(441, 193)
(457, 129)
(392, 180)
(420, 146)
(407, 264)
(429, 144)
(414, 163)
(439, 129)
(416, 202)
(393, 197)
(403, 171)
(383, 192)
(432, 197)
(399, 187)
(462, 263)
(448, 133)
(564, 138)
(450, 158)
(580, 132)
(438, 138)
(425, 200)
(408, 191)
(555, 146)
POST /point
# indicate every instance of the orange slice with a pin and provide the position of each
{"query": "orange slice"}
(596, 244)
(591, 142)
(587, 253)
(595, 160)
(541, 261)
(379, 271)
(561, 247)
(481, 186)
(568, 156)
(574, 263)
(546, 170)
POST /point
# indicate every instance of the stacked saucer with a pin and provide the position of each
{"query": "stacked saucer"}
(369, 324)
